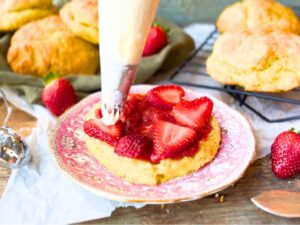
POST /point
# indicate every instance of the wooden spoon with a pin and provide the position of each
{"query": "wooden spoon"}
(279, 202)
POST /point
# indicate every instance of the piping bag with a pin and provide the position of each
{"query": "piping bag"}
(124, 27)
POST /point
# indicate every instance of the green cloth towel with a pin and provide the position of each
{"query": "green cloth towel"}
(179, 47)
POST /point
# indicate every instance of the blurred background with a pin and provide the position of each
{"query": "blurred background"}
(184, 12)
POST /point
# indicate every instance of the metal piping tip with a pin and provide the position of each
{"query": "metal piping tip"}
(116, 83)
(110, 115)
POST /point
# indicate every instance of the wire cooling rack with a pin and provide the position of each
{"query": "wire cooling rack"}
(195, 65)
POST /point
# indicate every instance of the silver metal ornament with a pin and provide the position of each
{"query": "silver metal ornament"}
(14, 152)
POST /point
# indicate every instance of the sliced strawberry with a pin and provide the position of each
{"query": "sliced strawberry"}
(98, 113)
(134, 146)
(169, 139)
(189, 152)
(153, 114)
(165, 96)
(195, 113)
(133, 122)
(168, 117)
(204, 132)
(131, 104)
(146, 129)
(97, 129)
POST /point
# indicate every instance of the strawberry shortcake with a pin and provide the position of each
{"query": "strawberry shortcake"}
(161, 135)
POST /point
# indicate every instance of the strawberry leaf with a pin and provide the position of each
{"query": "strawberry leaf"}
(166, 30)
(294, 130)
(50, 76)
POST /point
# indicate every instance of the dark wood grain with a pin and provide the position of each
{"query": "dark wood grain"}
(236, 208)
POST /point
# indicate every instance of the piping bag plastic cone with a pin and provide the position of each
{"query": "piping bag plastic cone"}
(124, 27)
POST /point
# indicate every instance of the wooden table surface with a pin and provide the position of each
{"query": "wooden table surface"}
(236, 207)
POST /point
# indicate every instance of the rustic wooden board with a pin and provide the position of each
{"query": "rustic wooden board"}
(236, 208)
(20, 121)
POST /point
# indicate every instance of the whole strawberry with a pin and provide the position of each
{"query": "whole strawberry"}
(285, 154)
(58, 94)
(156, 40)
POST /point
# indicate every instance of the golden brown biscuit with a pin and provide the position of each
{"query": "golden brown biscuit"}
(260, 60)
(81, 16)
(48, 45)
(143, 172)
(16, 13)
(255, 14)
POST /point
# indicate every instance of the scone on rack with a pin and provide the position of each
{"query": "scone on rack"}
(81, 16)
(258, 14)
(48, 45)
(16, 13)
(259, 60)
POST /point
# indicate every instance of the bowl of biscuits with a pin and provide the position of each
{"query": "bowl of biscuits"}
(38, 38)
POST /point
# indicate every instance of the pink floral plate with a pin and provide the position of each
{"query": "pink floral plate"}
(235, 154)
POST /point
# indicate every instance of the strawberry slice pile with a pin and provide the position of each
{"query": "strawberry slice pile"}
(159, 125)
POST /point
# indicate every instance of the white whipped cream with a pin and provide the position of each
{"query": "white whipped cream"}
(124, 27)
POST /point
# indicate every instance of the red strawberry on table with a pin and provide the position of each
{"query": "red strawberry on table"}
(134, 146)
(195, 113)
(157, 39)
(165, 96)
(285, 154)
(169, 139)
(58, 94)
(97, 129)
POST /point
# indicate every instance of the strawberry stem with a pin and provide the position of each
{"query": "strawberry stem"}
(157, 24)
(293, 130)
(49, 77)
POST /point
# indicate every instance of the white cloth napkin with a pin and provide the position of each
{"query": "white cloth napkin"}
(41, 194)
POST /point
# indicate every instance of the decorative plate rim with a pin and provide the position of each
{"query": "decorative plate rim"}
(52, 146)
